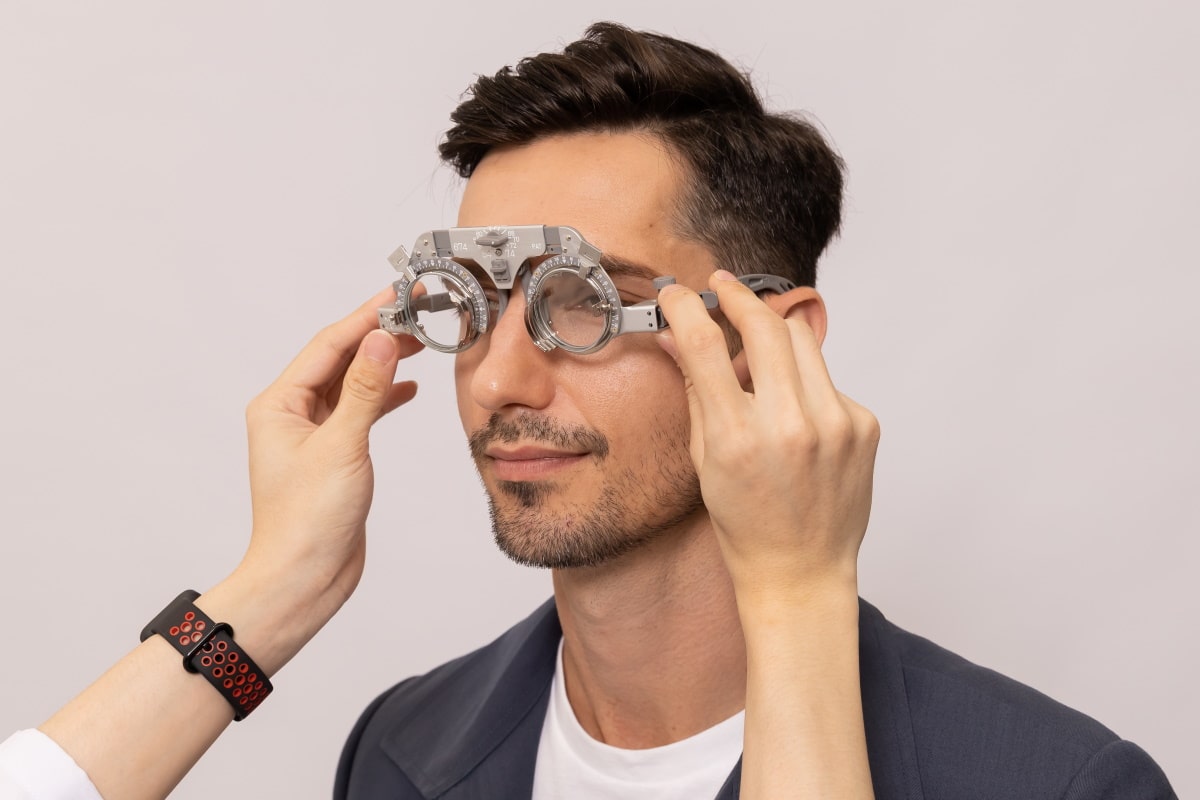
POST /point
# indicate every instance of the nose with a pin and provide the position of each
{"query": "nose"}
(505, 368)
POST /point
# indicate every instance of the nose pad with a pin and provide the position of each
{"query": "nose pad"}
(503, 296)
(510, 310)
(501, 304)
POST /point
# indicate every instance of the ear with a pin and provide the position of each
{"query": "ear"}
(805, 302)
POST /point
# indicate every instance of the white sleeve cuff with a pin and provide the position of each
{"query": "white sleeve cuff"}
(34, 767)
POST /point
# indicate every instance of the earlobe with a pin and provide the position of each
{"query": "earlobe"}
(807, 304)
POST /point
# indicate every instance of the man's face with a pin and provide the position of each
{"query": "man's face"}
(583, 457)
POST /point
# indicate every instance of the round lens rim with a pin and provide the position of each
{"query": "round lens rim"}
(460, 276)
(535, 319)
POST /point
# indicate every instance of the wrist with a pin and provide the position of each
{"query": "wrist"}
(273, 614)
(825, 601)
(209, 649)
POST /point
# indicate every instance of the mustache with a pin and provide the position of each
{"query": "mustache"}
(530, 428)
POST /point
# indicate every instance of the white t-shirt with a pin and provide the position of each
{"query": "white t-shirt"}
(571, 764)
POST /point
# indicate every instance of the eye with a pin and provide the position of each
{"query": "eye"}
(572, 296)
(485, 282)
(634, 291)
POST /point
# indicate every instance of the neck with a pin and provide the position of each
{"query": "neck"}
(652, 648)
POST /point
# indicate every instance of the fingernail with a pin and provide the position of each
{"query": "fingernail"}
(725, 275)
(670, 288)
(379, 346)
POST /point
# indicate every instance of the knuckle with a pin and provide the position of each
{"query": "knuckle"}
(254, 408)
(360, 385)
(325, 339)
(797, 434)
(838, 426)
(766, 324)
(327, 332)
(870, 427)
(866, 424)
(704, 337)
(735, 451)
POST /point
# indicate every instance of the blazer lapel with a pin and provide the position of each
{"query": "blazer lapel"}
(482, 742)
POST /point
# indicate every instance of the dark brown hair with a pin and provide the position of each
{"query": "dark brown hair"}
(765, 191)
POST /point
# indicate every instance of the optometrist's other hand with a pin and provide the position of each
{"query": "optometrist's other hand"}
(311, 477)
(785, 464)
(785, 460)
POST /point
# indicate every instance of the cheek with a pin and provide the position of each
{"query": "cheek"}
(464, 369)
(624, 392)
(627, 386)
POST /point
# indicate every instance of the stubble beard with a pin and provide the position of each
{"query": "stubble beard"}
(632, 509)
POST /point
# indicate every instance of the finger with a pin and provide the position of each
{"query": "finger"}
(323, 359)
(367, 387)
(666, 340)
(818, 388)
(741, 368)
(701, 352)
(408, 346)
(400, 393)
(766, 340)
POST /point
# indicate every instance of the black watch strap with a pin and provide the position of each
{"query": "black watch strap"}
(208, 648)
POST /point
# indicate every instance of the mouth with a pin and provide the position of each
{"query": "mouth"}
(530, 462)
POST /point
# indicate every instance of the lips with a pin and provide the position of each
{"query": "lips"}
(528, 453)
(526, 434)
(530, 462)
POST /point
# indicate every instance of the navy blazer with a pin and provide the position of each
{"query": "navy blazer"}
(938, 727)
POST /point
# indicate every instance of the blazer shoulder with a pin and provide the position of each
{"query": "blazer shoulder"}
(981, 734)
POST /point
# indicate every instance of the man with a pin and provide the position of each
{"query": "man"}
(673, 607)
(701, 495)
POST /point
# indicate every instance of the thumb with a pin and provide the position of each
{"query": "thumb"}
(368, 379)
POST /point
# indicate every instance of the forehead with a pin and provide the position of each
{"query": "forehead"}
(617, 189)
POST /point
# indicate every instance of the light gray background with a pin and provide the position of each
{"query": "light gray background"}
(187, 192)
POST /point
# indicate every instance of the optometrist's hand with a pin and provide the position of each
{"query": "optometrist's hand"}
(785, 460)
(785, 464)
(311, 478)
(139, 728)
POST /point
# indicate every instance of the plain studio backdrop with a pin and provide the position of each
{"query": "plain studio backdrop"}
(189, 191)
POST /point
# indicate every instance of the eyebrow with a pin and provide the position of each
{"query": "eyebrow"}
(618, 267)
(615, 266)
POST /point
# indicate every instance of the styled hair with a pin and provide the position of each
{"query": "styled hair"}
(763, 190)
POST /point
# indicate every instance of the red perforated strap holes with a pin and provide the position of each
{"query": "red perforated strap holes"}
(208, 647)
